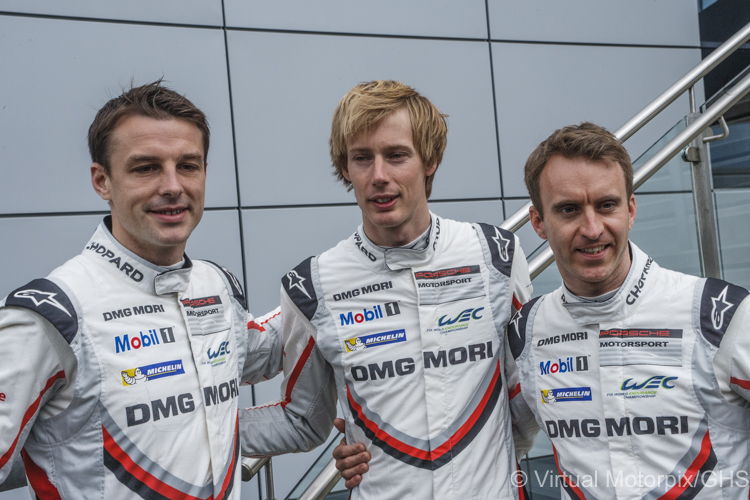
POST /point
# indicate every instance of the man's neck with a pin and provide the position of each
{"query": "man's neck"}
(392, 237)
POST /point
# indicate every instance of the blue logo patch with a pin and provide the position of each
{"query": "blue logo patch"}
(566, 394)
(150, 372)
(374, 340)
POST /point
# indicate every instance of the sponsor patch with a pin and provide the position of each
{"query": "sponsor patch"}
(636, 389)
(369, 313)
(640, 346)
(375, 287)
(566, 394)
(449, 285)
(457, 322)
(146, 373)
(375, 340)
(149, 339)
(564, 365)
(218, 356)
(565, 337)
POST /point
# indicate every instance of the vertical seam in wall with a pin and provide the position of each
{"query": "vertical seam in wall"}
(494, 105)
(237, 184)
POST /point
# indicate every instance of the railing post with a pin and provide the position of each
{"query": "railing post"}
(708, 242)
(270, 494)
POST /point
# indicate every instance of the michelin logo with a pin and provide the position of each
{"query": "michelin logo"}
(566, 394)
(374, 340)
(150, 372)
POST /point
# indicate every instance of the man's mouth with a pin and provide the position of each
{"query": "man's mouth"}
(384, 202)
(169, 212)
(593, 250)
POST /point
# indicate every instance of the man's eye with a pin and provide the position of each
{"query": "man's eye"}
(608, 205)
(144, 168)
(567, 210)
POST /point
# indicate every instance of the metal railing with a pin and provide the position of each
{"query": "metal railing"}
(696, 128)
(329, 476)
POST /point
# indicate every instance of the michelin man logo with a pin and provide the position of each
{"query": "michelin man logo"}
(502, 245)
(138, 376)
(548, 396)
(354, 346)
(720, 306)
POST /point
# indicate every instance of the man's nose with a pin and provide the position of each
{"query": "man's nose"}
(380, 171)
(170, 182)
(591, 224)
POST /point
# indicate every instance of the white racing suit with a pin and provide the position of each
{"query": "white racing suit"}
(644, 395)
(120, 379)
(414, 342)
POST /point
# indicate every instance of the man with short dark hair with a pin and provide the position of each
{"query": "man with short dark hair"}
(407, 317)
(120, 371)
(646, 369)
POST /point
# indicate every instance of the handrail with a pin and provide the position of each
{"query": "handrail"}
(658, 160)
(323, 483)
(251, 466)
(521, 216)
(680, 86)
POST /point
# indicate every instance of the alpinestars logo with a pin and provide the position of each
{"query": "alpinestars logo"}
(720, 306)
(516, 318)
(39, 298)
(295, 281)
(502, 245)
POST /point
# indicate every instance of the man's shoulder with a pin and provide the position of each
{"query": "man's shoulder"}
(231, 282)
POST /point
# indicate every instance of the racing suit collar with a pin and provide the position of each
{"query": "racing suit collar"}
(639, 282)
(129, 268)
(383, 259)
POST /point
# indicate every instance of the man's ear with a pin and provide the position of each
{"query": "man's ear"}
(101, 181)
(631, 211)
(430, 170)
(345, 173)
(537, 223)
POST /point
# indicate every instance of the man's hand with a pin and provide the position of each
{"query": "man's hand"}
(351, 460)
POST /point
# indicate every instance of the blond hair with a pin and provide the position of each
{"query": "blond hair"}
(363, 108)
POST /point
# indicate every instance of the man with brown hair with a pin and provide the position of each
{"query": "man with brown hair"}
(639, 375)
(407, 317)
(120, 371)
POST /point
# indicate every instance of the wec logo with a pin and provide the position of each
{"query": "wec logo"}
(651, 383)
(463, 316)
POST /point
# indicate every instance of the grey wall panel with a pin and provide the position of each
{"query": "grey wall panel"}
(58, 73)
(217, 238)
(665, 229)
(286, 87)
(441, 18)
(31, 247)
(645, 22)
(276, 240)
(733, 210)
(490, 211)
(201, 12)
(541, 88)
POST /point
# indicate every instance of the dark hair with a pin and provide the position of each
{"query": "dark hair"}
(586, 141)
(151, 100)
(367, 104)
